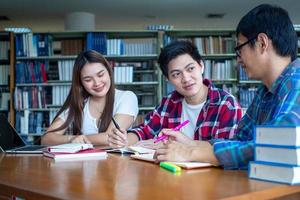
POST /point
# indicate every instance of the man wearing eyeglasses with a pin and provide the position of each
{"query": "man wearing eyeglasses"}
(267, 50)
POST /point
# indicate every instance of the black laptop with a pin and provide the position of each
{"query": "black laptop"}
(11, 141)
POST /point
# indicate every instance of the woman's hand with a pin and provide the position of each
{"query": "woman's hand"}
(117, 138)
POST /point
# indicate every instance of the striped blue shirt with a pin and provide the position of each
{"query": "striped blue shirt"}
(278, 106)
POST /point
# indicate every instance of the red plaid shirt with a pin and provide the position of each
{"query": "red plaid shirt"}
(217, 119)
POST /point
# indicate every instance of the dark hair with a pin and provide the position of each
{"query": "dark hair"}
(77, 95)
(275, 23)
(175, 49)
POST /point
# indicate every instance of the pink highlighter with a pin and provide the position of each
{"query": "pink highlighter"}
(177, 128)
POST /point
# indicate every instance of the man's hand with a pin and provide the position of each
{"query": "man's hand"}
(173, 151)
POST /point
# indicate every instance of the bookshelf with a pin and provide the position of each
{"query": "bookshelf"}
(44, 63)
(7, 57)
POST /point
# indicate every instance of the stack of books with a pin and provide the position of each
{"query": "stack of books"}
(277, 154)
(74, 151)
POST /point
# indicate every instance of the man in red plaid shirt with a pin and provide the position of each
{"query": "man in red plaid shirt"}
(212, 112)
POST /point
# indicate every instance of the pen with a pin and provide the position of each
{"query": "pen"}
(169, 166)
(177, 128)
(115, 123)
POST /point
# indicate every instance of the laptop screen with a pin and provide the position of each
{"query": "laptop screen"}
(9, 138)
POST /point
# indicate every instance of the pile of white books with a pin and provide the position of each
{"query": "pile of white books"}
(276, 154)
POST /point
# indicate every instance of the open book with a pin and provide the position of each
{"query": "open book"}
(69, 148)
(186, 165)
(131, 150)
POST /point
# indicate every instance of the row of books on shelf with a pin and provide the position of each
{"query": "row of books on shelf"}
(30, 97)
(4, 49)
(276, 154)
(220, 69)
(65, 69)
(59, 94)
(33, 45)
(208, 44)
(34, 122)
(246, 95)
(4, 72)
(44, 71)
(31, 71)
(123, 74)
(30, 122)
(101, 43)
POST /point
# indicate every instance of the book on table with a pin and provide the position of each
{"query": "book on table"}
(186, 165)
(273, 172)
(277, 135)
(74, 151)
(69, 148)
(87, 154)
(131, 150)
(289, 155)
(276, 154)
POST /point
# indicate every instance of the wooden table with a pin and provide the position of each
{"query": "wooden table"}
(119, 177)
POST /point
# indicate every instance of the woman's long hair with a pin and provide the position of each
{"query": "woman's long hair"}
(77, 95)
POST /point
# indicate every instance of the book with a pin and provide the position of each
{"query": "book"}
(87, 154)
(278, 135)
(131, 150)
(69, 148)
(186, 165)
(274, 172)
(278, 154)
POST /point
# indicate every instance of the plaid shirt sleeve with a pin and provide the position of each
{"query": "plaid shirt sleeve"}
(154, 121)
(230, 114)
(236, 154)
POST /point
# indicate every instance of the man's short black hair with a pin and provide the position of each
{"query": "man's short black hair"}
(275, 23)
(175, 49)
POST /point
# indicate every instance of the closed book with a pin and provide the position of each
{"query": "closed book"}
(278, 173)
(88, 154)
(69, 148)
(278, 154)
(278, 135)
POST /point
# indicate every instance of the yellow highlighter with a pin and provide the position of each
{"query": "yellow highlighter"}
(169, 166)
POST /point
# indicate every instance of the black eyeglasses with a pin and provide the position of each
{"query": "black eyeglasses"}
(237, 49)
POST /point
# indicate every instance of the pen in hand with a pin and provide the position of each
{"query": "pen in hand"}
(116, 124)
(177, 128)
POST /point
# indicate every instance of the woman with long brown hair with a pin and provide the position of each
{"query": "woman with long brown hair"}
(91, 104)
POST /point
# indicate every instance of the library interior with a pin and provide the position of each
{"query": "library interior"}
(40, 45)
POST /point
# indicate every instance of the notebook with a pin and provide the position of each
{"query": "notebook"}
(186, 165)
(130, 150)
(11, 142)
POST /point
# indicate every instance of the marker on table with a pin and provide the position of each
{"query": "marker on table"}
(177, 128)
(116, 124)
(169, 166)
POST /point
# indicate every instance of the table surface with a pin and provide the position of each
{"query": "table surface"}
(120, 177)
